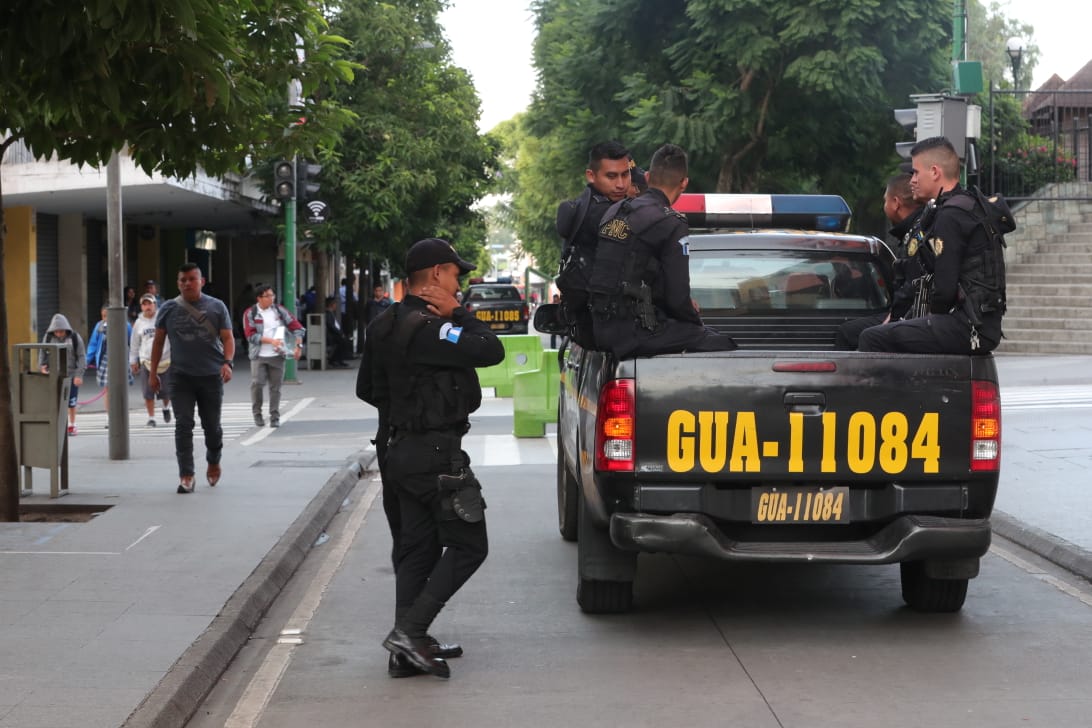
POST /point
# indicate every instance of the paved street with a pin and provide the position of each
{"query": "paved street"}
(153, 596)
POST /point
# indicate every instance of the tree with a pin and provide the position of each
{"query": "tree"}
(766, 97)
(185, 84)
(988, 34)
(414, 163)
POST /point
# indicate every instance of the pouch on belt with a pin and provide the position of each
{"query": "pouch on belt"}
(461, 496)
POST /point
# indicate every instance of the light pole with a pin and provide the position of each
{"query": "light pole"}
(1015, 49)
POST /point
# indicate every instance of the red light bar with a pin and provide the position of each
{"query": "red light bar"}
(749, 212)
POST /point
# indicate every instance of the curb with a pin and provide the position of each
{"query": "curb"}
(1054, 549)
(180, 692)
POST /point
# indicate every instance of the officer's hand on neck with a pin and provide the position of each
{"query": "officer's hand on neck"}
(439, 301)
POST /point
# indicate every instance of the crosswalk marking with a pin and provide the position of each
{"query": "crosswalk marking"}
(235, 420)
(1053, 397)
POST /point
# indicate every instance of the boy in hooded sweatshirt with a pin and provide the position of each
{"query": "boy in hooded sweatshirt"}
(60, 332)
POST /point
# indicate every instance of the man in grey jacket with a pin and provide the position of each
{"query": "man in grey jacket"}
(60, 332)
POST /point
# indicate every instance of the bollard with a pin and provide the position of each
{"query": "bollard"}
(534, 397)
(521, 354)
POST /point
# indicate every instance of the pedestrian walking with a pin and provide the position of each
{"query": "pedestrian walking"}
(267, 326)
(198, 328)
(97, 358)
(60, 332)
(428, 347)
(140, 360)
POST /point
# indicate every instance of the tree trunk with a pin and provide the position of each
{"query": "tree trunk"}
(9, 465)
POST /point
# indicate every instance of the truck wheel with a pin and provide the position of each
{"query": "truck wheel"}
(605, 572)
(923, 593)
(568, 501)
(604, 597)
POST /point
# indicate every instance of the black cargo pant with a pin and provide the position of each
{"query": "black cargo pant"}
(936, 333)
(626, 338)
(438, 551)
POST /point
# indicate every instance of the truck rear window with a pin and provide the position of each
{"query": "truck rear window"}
(763, 280)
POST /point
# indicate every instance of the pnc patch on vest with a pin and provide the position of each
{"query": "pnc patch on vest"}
(937, 245)
(451, 332)
(684, 243)
(616, 228)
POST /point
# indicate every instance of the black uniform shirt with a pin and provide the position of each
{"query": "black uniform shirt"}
(461, 341)
(667, 240)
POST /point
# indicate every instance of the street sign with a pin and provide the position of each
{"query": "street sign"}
(317, 212)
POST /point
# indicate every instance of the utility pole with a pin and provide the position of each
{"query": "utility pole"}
(117, 344)
(288, 294)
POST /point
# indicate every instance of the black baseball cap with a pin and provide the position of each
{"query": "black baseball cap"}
(434, 251)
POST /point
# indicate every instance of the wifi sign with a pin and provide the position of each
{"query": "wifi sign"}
(317, 212)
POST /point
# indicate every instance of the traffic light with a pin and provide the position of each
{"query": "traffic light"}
(935, 115)
(284, 180)
(908, 120)
(306, 173)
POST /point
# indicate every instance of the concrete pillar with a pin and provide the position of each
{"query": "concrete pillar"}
(20, 273)
(72, 269)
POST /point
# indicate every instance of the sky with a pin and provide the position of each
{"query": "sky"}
(492, 40)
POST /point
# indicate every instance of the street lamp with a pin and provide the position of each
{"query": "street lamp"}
(1015, 49)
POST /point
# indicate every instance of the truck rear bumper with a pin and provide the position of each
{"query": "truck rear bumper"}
(908, 538)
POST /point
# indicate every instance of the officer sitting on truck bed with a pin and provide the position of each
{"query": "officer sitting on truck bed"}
(904, 212)
(963, 292)
(640, 282)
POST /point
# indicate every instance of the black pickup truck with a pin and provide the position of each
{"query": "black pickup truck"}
(498, 304)
(785, 450)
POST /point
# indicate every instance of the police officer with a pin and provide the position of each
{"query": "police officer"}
(640, 281)
(962, 256)
(904, 212)
(609, 179)
(428, 347)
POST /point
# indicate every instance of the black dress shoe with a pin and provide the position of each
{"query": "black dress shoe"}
(441, 649)
(399, 666)
(416, 652)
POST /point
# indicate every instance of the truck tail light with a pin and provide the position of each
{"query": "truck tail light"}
(616, 419)
(526, 313)
(985, 426)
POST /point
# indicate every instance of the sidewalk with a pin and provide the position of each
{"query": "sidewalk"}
(96, 614)
(129, 619)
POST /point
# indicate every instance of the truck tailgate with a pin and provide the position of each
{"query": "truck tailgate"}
(805, 418)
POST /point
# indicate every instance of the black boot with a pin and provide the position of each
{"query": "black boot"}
(446, 650)
(399, 666)
(409, 637)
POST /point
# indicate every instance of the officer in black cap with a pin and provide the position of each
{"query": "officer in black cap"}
(422, 357)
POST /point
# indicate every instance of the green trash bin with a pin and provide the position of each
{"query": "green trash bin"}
(534, 397)
(521, 354)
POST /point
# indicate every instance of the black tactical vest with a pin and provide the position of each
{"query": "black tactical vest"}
(424, 398)
(982, 275)
(623, 266)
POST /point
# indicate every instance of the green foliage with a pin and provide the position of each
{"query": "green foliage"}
(414, 162)
(773, 96)
(1030, 163)
(987, 41)
(185, 83)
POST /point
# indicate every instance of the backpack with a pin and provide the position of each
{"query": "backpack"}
(577, 259)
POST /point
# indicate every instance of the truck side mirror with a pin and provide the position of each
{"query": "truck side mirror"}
(549, 319)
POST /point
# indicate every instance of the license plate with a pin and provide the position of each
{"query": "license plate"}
(800, 505)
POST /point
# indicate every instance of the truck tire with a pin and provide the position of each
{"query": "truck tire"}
(568, 499)
(598, 559)
(923, 593)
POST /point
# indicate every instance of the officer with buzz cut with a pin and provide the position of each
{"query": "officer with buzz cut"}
(640, 282)
(962, 294)
(421, 357)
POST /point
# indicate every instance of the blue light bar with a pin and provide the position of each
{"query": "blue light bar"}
(828, 213)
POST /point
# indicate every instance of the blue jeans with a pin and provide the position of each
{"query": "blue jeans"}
(208, 394)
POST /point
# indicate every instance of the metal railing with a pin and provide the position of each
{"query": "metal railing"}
(1031, 160)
